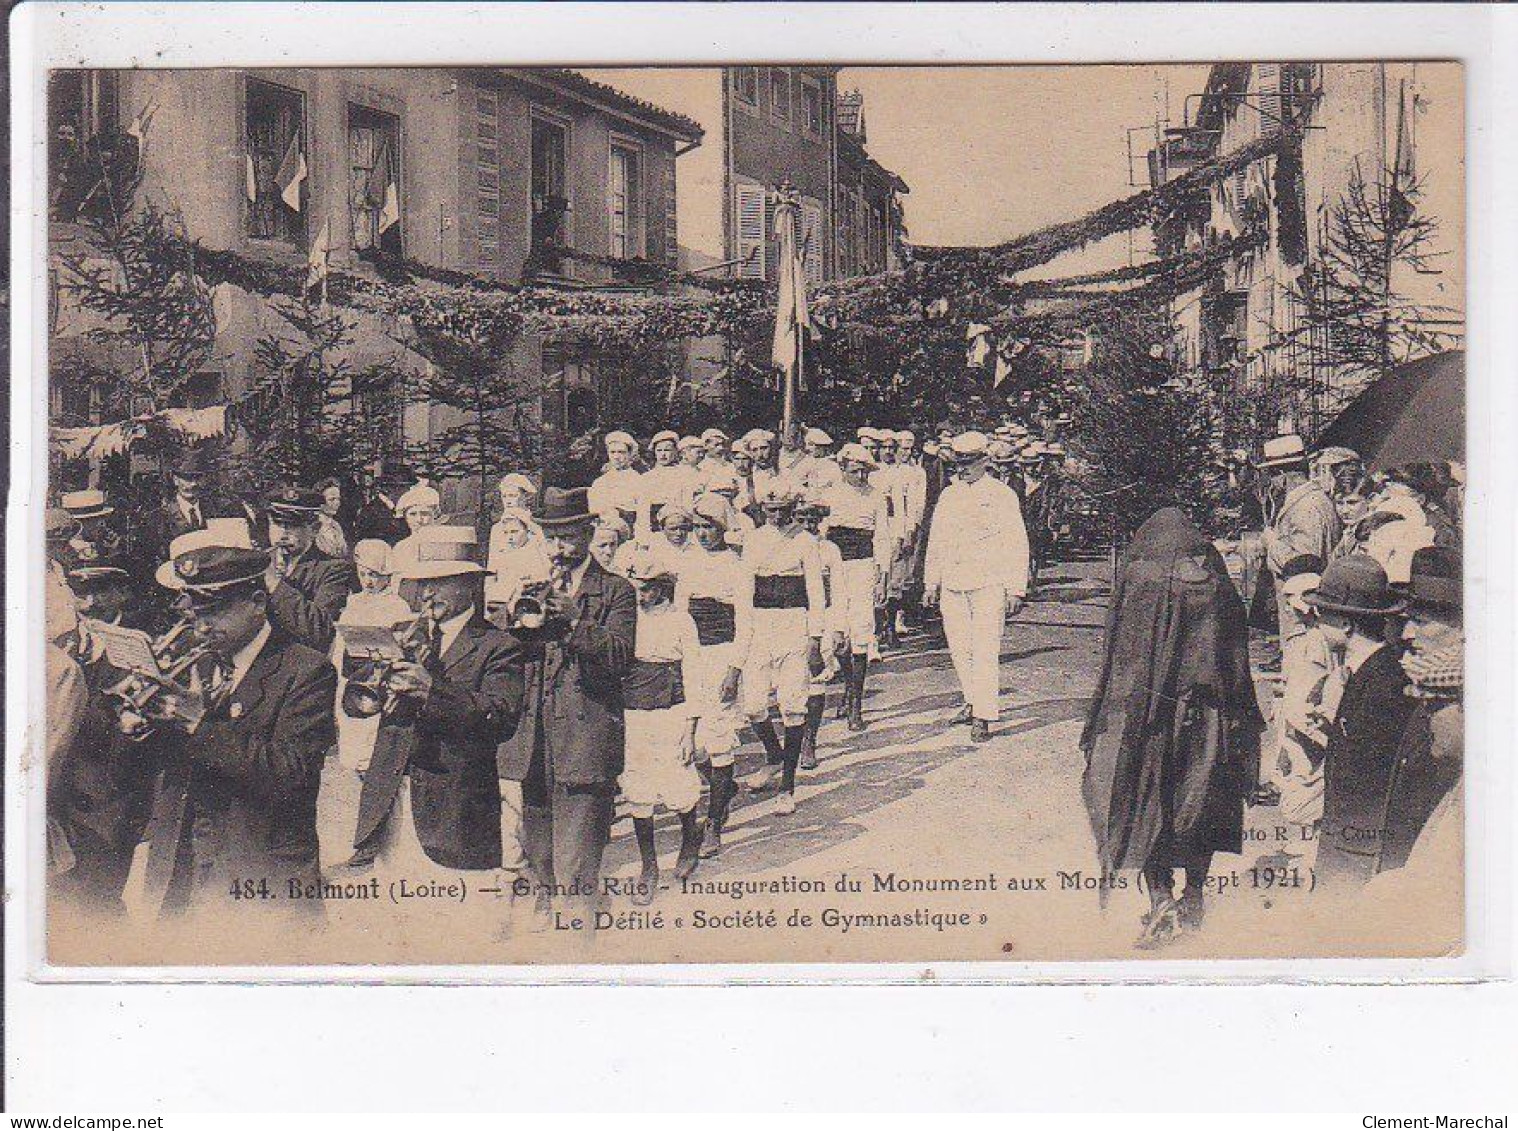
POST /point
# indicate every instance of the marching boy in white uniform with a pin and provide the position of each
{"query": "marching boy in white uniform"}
(977, 563)
(860, 525)
(661, 715)
(811, 512)
(717, 591)
(785, 650)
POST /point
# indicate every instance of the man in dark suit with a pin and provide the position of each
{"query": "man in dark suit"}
(307, 588)
(233, 822)
(568, 750)
(430, 798)
(1352, 602)
(377, 518)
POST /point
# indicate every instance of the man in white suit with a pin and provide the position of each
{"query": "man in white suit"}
(977, 563)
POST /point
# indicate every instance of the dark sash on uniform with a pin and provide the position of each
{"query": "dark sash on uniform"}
(652, 685)
(853, 542)
(715, 620)
(779, 591)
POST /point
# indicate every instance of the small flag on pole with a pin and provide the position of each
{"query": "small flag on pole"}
(138, 130)
(292, 173)
(316, 266)
(390, 212)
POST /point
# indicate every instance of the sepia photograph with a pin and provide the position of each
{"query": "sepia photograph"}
(792, 512)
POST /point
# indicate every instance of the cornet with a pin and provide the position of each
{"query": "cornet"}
(146, 700)
(369, 694)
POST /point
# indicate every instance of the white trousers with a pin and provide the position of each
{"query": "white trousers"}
(856, 593)
(719, 724)
(776, 665)
(973, 620)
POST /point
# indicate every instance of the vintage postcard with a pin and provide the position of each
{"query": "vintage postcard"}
(776, 513)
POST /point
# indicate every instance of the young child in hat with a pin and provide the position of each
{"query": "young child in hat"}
(661, 716)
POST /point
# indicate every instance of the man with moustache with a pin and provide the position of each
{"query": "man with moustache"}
(307, 588)
(568, 751)
(431, 802)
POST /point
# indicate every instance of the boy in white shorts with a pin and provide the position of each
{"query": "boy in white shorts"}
(785, 650)
(661, 721)
(717, 592)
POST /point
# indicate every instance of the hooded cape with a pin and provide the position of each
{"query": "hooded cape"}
(1172, 735)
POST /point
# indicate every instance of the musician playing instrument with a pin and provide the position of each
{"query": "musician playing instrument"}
(233, 827)
(307, 589)
(430, 801)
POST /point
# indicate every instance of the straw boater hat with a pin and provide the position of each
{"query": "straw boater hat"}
(672, 512)
(444, 551)
(622, 440)
(87, 504)
(1283, 451)
(691, 443)
(666, 437)
(1355, 586)
(818, 436)
(215, 558)
(516, 481)
(1001, 452)
(564, 509)
(714, 434)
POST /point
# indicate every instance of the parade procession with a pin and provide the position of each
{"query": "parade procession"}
(464, 578)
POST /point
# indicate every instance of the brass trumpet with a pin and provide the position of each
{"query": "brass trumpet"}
(145, 700)
(368, 694)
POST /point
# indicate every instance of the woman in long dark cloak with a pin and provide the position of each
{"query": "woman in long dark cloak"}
(1174, 729)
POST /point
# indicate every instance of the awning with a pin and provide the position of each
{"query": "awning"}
(1417, 412)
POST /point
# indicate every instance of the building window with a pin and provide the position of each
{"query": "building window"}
(487, 173)
(746, 85)
(374, 179)
(569, 390)
(811, 108)
(85, 143)
(276, 163)
(550, 190)
(205, 389)
(780, 93)
(625, 201)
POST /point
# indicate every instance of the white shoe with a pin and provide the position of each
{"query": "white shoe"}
(785, 804)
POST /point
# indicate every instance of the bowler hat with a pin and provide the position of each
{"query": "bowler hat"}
(564, 509)
(191, 463)
(1436, 578)
(1356, 586)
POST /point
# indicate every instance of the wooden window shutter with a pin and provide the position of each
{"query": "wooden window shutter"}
(811, 241)
(750, 224)
(1268, 79)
